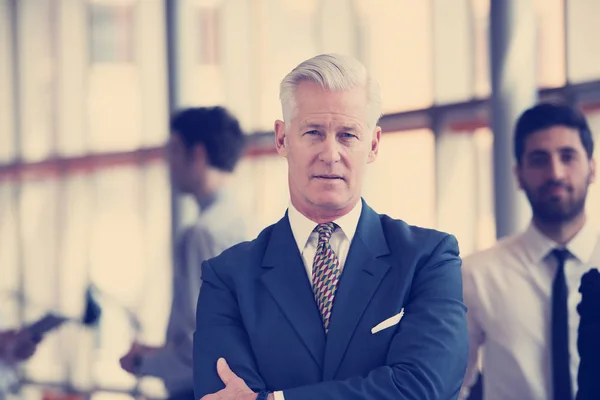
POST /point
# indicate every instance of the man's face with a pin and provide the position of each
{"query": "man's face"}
(555, 173)
(183, 165)
(328, 143)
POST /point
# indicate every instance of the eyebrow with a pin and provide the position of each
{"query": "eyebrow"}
(543, 152)
(346, 128)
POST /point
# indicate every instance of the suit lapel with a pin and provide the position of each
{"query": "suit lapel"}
(362, 275)
(286, 280)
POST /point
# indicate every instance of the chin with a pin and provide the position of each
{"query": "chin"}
(330, 202)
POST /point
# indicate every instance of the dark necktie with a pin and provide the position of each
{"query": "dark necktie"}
(588, 340)
(561, 376)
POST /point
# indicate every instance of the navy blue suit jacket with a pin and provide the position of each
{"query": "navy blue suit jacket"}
(256, 309)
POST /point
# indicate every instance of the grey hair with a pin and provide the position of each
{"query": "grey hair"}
(332, 72)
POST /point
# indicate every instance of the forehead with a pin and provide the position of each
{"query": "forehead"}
(314, 104)
(553, 139)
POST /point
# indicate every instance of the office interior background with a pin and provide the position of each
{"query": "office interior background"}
(87, 86)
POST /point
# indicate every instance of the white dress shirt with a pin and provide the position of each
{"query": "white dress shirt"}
(307, 240)
(508, 292)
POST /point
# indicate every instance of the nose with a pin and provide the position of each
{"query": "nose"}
(330, 151)
(557, 168)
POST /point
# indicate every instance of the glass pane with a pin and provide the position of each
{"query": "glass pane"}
(156, 297)
(550, 17)
(39, 240)
(454, 58)
(457, 168)
(486, 220)
(481, 12)
(117, 267)
(276, 56)
(115, 120)
(151, 55)
(73, 62)
(7, 133)
(75, 208)
(464, 160)
(203, 70)
(398, 50)
(111, 33)
(401, 182)
(38, 21)
(583, 47)
(246, 186)
(9, 256)
(272, 190)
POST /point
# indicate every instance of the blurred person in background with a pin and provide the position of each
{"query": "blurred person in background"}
(16, 346)
(522, 294)
(204, 148)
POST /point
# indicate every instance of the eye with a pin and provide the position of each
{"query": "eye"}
(567, 157)
(347, 135)
(313, 132)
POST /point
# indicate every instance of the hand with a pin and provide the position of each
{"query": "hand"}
(131, 361)
(235, 387)
(17, 345)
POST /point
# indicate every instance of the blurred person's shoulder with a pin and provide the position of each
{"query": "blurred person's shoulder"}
(244, 257)
(507, 251)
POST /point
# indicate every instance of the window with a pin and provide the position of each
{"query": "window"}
(401, 182)
(127, 97)
(37, 24)
(583, 49)
(464, 188)
(9, 256)
(398, 51)
(111, 32)
(7, 110)
(481, 12)
(454, 59)
(550, 19)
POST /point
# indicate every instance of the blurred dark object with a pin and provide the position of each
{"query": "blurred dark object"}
(588, 341)
(92, 312)
(476, 392)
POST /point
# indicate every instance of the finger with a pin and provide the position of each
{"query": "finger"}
(225, 373)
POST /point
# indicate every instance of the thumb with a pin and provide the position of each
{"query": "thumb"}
(225, 373)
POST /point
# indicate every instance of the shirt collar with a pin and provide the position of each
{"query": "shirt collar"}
(302, 227)
(581, 246)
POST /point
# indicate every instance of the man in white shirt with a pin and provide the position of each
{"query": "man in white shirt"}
(334, 301)
(522, 294)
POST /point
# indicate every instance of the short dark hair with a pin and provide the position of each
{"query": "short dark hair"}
(216, 129)
(547, 115)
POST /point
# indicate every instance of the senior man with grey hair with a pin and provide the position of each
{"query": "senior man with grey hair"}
(334, 301)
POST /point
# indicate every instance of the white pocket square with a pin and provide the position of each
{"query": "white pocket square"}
(388, 322)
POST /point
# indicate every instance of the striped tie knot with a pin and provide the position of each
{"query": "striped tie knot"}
(325, 231)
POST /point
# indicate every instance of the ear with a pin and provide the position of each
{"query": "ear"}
(374, 144)
(198, 154)
(592, 170)
(280, 138)
(518, 175)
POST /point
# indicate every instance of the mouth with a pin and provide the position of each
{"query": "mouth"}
(556, 190)
(329, 177)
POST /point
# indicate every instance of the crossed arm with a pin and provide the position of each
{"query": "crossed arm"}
(426, 360)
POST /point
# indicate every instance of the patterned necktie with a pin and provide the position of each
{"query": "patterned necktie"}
(561, 375)
(325, 273)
